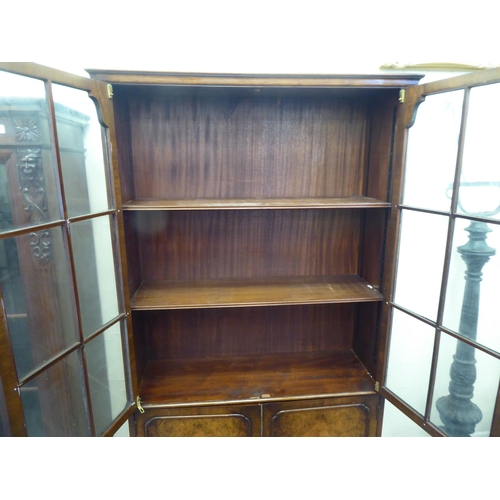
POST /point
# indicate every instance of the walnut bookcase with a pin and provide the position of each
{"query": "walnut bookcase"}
(255, 213)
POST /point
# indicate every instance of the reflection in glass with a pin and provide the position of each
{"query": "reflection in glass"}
(420, 262)
(480, 303)
(397, 424)
(480, 180)
(4, 419)
(83, 158)
(465, 390)
(123, 431)
(95, 272)
(104, 356)
(36, 285)
(410, 358)
(54, 401)
(431, 156)
(28, 192)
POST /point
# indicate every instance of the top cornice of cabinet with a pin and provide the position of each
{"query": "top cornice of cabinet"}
(389, 80)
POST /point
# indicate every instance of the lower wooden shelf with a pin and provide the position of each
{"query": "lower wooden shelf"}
(191, 294)
(255, 203)
(241, 379)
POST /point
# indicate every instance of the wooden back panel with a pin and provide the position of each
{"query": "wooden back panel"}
(247, 243)
(236, 146)
(245, 331)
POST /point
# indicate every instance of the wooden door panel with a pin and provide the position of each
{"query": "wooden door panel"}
(343, 417)
(218, 421)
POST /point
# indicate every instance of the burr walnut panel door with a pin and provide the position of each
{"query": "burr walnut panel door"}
(343, 417)
(217, 421)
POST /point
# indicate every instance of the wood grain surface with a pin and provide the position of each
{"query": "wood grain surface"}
(185, 245)
(191, 146)
(244, 331)
(332, 421)
(244, 378)
(256, 203)
(188, 294)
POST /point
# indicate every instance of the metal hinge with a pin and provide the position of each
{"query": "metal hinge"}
(402, 95)
(110, 91)
(377, 386)
(139, 406)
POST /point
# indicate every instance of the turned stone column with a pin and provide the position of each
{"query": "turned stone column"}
(458, 413)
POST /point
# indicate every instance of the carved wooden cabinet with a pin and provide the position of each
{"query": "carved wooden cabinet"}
(259, 224)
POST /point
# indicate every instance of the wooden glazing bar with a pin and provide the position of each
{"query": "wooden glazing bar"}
(256, 203)
(187, 294)
(253, 378)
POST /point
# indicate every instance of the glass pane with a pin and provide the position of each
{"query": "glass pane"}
(478, 304)
(420, 262)
(464, 402)
(83, 155)
(104, 357)
(397, 424)
(410, 358)
(28, 190)
(95, 272)
(480, 181)
(54, 401)
(431, 156)
(38, 298)
(123, 431)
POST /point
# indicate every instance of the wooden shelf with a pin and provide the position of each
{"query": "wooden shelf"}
(255, 203)
(254, 378)
(189, 294)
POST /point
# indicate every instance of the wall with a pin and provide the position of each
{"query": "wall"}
(259, 36)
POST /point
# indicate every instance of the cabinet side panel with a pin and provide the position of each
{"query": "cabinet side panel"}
(377, 186)
(366, 334)
(241, 146)
(372, 246)
(249, 331)
(382, 116)
(132, 249)
(140, 343)
(382, 122)
(123, 140)
(248, 244)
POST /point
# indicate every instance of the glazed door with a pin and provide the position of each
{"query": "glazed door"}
(442, 350)
(65, 336)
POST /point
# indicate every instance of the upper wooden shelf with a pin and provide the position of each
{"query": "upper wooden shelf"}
(255, 203)
(194, 294)
(262, 378)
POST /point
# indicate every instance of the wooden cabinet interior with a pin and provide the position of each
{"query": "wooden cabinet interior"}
(255, 212)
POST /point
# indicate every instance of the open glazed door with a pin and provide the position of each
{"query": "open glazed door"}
(65, 337)
(442, 349)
